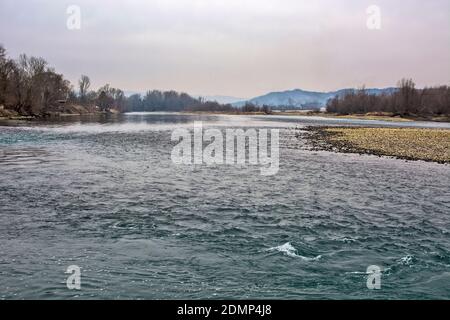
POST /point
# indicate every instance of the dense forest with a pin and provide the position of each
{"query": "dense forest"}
(405, 101)
(29, 87)
(171, 101)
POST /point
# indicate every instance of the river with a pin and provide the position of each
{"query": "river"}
(105, 195)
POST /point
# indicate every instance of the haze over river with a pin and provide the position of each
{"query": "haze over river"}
(105, 195)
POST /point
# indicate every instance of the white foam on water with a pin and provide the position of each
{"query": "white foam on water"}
(106, 128)
(136, 127)
(356, 272)
(290, 251)
(407, 260)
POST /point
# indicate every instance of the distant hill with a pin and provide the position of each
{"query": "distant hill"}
(301, 99)
(222, 99)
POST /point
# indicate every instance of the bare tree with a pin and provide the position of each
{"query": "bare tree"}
(406, 97)
(84, 84)
(5, 69)
(405, 100)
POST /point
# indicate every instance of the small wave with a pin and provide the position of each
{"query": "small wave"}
(382, 270)
(344, 239)
(356, 272)
(290, 251)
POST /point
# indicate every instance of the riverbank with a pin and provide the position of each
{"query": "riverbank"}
(381, 116)
(403, 143)
(237, 112)
(65, 112)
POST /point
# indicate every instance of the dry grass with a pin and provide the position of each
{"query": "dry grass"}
(405, 143)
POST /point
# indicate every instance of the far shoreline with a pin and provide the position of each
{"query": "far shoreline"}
(302, 113)
(54, 116)
(309, 113)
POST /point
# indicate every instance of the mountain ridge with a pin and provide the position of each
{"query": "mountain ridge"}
(304, 99)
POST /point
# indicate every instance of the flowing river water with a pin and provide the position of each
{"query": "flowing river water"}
(105, 195)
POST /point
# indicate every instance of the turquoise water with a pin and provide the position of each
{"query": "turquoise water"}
(105, 195)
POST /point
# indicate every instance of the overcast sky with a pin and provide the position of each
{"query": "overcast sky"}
(241, 48)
